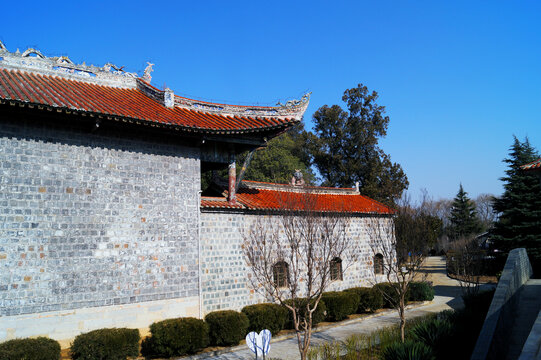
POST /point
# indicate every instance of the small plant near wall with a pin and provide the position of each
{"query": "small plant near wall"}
(226, 328)
(175, 337)
(114, 344)
(40, 348)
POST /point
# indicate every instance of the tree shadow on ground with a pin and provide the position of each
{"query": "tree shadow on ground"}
(454, 292)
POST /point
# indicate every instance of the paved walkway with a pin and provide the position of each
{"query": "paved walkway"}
(447, 297)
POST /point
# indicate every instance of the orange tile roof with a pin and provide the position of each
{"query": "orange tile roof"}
(533, 165)
(218, 203)
(314, 199)
(26, 87)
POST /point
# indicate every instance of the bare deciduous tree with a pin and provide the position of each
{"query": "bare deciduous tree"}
(399, 241)
(485, 211)
(465, 261)
(290, 252)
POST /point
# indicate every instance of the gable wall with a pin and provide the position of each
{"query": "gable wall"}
(89, 221)
(224, 273)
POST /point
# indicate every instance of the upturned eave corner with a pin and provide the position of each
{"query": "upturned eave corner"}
(296, 108)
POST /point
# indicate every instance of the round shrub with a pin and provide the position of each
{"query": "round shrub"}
(340, 304)
(389, 294)
(266, 316)
(40, 348)
(317, 316)
(114, 344)
(420, 291)
(226, 327)
(175, 337)
(370, 299)
(408, 350)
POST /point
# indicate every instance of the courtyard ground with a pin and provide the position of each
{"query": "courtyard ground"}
(447, 296)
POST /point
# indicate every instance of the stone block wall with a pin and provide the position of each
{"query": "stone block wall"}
(89, 220)
(225, 276)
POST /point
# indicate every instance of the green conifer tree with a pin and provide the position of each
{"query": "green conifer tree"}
(344, 147)
(463, 217)
(519, 208)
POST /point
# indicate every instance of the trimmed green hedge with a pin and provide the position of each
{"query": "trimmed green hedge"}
(420, 291)
(266, 316)
(370, 299)
(417, 291)
(114, 344)
(390, 296)
(226, 327)
(340, 304)
(40, 348)
(174, 337)
(317, 316)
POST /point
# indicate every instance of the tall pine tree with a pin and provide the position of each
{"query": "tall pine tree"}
(519, 208)
(463, 220)
(344, 147)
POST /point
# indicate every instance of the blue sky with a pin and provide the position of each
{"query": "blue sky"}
(458, 78)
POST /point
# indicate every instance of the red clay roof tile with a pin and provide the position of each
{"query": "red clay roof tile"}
(268, 199)
(59, 92)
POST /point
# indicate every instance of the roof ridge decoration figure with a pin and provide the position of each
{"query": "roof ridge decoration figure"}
(295, 103)
(146, 75)
(297, 179)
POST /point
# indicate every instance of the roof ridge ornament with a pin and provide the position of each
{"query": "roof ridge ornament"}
(64, 60)
(31, 51)
(108, 66)
(64, 67)
(291, 109)
(304, 188)
(146, 75)
(294, 103)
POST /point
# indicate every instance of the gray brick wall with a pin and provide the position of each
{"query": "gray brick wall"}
(224, 277)
(90, 220)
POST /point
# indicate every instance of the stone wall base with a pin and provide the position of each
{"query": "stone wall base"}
(63, 326)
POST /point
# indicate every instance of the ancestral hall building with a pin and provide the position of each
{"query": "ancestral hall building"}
(102, 222)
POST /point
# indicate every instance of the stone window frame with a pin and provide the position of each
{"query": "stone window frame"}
(335, 269)
(280, 274)
(378, 264)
